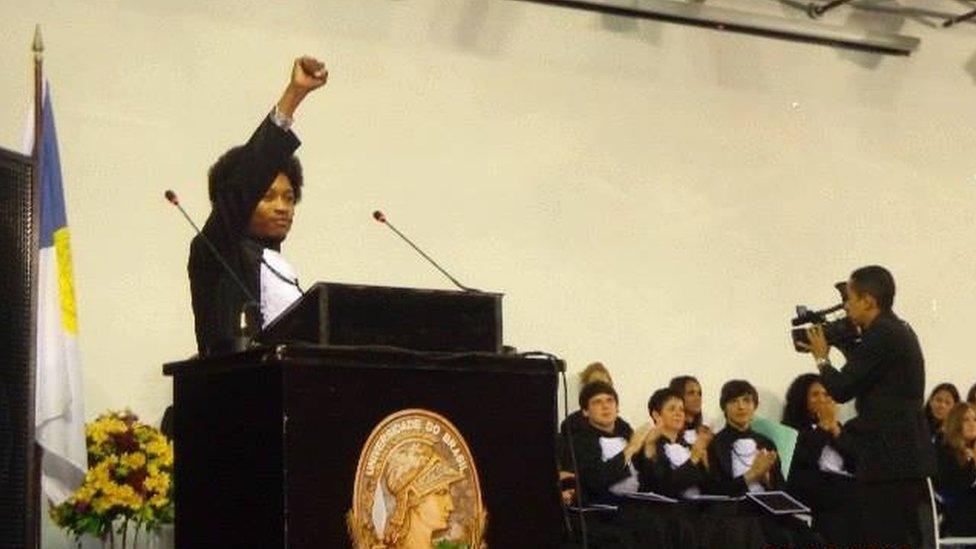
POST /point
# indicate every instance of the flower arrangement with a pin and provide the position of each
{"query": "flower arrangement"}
(129, 479)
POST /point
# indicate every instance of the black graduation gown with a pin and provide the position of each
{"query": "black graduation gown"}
(595, 475)
(954, 483)
(217, 299)
(829, 495)
(779, 531)
(636, 524)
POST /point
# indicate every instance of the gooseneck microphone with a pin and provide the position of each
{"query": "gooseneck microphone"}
(252, 303)
(378, 216)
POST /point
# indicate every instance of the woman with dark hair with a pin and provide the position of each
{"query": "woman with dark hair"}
(941, 400)
(741, 461)
(253, 192)
(821, 472)
(677, 468)
(691, 394)
(956, 481)
(971, 395)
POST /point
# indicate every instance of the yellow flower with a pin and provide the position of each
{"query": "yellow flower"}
(159, 500)
(134, 460)
(158, 483)
(113, 425)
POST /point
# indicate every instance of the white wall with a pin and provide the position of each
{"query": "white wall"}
(653, 196)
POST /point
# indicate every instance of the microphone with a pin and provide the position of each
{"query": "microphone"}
(380, 217)
(252, 303)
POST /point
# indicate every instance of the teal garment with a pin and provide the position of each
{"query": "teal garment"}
(784, 437)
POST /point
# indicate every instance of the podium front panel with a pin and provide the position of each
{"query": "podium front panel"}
(328, 403)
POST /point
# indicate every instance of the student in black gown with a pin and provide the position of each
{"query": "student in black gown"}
(822, 469)
(608, 455)
(595, 371)
(956, 480)
(741, 461)
(940, 401)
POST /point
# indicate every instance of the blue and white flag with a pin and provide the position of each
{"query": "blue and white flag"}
(59, 402)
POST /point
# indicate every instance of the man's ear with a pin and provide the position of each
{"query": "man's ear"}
(656, 417)
(586, 412)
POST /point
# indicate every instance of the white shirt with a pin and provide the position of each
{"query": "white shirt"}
(277, 293)
(610, 447)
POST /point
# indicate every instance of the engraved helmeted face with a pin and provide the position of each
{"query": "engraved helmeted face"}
(273, 215)
(435, 508)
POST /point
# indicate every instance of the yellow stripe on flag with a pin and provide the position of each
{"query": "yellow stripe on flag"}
(66, 285)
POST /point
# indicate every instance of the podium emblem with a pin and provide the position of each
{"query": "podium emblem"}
(416, 487)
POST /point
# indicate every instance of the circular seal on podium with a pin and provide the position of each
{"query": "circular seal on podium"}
(416, 487)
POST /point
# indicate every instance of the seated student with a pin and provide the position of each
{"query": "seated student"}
(956, 479)
(741, 461)
(609, 455)
(821, 473)
(576, 421)
(676, 468)
(941, 400)
(606, 447)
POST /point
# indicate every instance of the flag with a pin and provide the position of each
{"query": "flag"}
(59, 406)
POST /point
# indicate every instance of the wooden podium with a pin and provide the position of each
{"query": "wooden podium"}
(268, 440)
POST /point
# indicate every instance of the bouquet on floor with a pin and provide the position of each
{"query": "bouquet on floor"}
(129, 481)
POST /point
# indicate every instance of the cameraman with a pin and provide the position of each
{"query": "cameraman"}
(885, 373)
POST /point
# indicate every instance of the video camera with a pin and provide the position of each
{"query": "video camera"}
(839, 329)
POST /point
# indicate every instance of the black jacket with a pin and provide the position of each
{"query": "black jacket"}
(217, 299)
(885, 373)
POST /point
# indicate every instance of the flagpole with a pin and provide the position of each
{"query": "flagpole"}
(38, 48)
(34, 513)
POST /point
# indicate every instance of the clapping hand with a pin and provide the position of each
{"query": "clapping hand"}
(761, 465)
(827, 416)
(699, 450)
